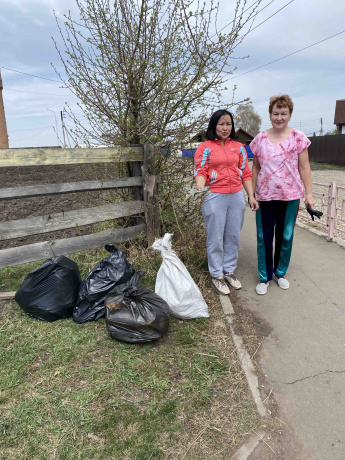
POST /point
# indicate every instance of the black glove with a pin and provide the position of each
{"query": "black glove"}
(313, 212)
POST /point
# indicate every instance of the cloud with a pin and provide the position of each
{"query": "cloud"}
(314, 77)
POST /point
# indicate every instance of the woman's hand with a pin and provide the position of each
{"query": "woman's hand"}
(200, 182)
(248, 187)
(253, 204)
(308, 199)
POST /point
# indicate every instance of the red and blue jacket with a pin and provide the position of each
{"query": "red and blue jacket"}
(224, 168)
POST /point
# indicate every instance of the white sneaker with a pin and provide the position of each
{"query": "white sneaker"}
(261, 288)
(282, 282)
(220, 286)
(232, 281)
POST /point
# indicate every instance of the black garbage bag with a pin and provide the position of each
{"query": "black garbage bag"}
(135, 313)
(51, 291)
(108, 273)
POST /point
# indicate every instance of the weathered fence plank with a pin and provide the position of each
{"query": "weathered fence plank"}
(57, 189)
(138, 166)
(69, 219)
(7, 295)
(51, 156)
(41, 251)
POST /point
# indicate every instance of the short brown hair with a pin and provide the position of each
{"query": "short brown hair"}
(282, 101)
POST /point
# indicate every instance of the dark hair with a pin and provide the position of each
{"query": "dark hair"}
(211, 129)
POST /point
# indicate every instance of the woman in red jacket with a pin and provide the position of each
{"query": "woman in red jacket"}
(221, 163)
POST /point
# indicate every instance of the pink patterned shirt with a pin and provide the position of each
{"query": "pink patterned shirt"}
(279, 177)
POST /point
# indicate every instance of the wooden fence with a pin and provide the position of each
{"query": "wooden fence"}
(328, 149)
(143, 182)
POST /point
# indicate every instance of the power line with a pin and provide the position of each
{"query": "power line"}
(269, 17)
(30, 129)
(24, 73)
(295, 52)
(56, 81)
(226, 25)
(251, 30)
(41, 94)
(18, 140)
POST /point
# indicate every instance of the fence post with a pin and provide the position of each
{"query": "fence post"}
(135, 170)
(150, 194)
(331, 210)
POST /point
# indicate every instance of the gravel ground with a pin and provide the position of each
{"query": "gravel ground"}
(327, 176)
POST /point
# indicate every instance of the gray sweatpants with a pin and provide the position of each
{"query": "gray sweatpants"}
(223, 214)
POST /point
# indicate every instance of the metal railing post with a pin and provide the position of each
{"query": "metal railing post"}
(331, 210)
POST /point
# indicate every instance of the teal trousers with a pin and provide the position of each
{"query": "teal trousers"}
(275, 220)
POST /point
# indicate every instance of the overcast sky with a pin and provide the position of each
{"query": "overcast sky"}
(314, 78)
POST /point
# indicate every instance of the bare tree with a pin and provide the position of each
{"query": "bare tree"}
(247, 119)
(148, 70)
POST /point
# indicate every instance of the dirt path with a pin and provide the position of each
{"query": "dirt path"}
(45, 205)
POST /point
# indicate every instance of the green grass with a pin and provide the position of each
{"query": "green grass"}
(12, 277)
(68, 391)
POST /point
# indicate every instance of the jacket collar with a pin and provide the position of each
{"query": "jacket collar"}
(227, 141)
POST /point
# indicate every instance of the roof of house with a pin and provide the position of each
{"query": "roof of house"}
(243, 136)
(247, 133)
(339, 115)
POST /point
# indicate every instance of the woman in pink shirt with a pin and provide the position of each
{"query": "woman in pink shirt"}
(280, 170)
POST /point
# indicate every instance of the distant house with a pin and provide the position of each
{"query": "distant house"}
(246, 138)
(243, 136)
(339, 116)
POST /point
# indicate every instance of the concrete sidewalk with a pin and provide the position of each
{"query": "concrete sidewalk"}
(304, 357)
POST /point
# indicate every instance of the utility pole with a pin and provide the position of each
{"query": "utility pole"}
(321, 130)
(3, 127)
(56, 126)
(63, 130)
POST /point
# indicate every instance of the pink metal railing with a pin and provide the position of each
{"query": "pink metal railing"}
(339, 206)
(333, 209)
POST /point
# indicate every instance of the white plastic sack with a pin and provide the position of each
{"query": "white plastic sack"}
(175, 285)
